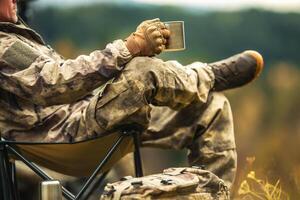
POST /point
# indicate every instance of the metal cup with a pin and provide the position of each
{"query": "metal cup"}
(176, 42)
(50, 190)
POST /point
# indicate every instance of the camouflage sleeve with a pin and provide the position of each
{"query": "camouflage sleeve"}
(45, 80)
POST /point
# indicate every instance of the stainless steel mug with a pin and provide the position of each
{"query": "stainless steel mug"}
(176, 42)
(50, 190)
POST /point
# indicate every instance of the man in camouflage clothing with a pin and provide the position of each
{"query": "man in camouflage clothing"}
(47, 98)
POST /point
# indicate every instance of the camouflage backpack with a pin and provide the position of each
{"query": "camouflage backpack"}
(173, 183)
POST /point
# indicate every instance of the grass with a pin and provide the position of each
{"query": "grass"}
(253, 188)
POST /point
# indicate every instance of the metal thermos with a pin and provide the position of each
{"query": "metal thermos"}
(50, 190)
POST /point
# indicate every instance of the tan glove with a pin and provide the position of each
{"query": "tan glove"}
(149, 39)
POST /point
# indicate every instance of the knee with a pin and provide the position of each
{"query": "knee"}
(142, 71)
(219, 100)
(140, 66)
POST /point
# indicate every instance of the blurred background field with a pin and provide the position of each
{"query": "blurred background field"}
(266, 112)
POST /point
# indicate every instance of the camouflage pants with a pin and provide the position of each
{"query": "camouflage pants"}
(175, 106)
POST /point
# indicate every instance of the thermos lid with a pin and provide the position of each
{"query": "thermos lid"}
(50, 190)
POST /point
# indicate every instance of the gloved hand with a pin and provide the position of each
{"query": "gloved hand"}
(149, 39)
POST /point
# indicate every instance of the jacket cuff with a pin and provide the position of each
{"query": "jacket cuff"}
(121, 52)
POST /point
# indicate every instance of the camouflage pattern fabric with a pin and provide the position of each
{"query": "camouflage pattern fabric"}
(45, 98)
(205, 130)
(182, 114)
(173, 183)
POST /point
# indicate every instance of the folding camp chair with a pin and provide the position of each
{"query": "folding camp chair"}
(60, 157)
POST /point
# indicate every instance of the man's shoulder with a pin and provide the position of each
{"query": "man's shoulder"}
(4, 35)
(22, 30)
(6, 29)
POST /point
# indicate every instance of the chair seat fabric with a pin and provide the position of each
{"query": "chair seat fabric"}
(76, 159)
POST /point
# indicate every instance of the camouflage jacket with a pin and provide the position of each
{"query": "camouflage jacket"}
(35, 81)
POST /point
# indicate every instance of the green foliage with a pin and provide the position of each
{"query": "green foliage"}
(253, 188)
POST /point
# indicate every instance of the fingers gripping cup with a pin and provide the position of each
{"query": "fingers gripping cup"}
(176, 41)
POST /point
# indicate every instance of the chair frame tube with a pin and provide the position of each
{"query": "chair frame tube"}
(137, 154)
(67, 194)
(100, 166)
(6, 190)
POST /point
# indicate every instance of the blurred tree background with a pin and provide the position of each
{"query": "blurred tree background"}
(266, 112)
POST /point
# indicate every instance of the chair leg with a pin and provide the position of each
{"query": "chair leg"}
(137, 154)
(6, 191)
(94, 185)
(14, 180)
